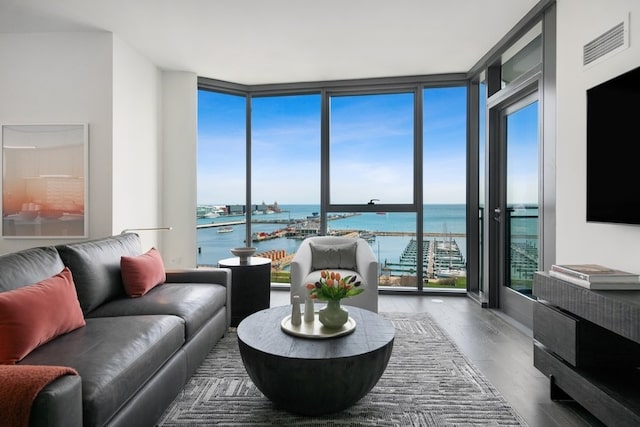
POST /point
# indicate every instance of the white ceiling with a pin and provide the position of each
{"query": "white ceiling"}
(276, 41)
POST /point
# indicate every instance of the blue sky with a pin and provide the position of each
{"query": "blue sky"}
(522, 156)
(371, 153)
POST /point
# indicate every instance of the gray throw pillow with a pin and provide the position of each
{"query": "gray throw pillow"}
(341, 256)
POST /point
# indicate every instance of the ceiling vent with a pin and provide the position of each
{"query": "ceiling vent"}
(607, 44)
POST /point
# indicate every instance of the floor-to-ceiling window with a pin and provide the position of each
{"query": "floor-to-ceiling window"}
(375, 184)
(221, 175)
(371, 175)
(444, 186)
(285, 176)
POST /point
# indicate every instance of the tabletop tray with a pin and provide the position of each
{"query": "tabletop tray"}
(315, 329)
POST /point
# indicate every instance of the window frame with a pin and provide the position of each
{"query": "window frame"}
(415, 85)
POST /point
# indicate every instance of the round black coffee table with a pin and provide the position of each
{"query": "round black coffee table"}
(314, 376)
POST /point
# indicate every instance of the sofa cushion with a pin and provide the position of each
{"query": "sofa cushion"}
(96, 267)
(196, 303)
(342, 256)
(141, 273)
(28, 267)
(33, 315)
(115, 357)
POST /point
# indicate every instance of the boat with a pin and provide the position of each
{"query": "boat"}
(447, 272)
(369, 237)
(226, 229)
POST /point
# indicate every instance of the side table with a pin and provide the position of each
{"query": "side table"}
(250, 286)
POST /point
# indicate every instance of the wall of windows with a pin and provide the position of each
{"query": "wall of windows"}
(409, 163)
(429, 169)
(339, 160)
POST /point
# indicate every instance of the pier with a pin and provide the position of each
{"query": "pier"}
(440, 258)
(352, 232)
(221, 224)
(290, 222)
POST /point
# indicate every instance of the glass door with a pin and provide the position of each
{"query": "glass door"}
(514, 229)
(521, 215)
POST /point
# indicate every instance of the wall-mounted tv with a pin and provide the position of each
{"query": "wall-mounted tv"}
(613, 142)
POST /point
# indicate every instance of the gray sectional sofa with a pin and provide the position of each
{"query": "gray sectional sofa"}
(134, 355)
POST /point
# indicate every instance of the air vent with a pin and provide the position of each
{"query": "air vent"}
(613, 41)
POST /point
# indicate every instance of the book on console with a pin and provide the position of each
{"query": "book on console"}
(594, 273)
(596, 286)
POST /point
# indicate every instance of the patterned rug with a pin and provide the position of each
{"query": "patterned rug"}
(428, 382)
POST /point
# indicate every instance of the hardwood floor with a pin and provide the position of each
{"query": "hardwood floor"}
(500, 348)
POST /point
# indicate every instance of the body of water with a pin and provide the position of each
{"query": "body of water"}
(214, 246)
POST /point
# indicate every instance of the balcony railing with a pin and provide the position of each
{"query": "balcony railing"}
(522, 251)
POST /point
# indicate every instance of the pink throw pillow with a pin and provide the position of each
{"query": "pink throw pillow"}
(35, 314)
(142, 273)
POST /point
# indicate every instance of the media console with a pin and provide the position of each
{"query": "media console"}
(588, 344)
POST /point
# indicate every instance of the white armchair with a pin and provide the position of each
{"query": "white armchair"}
(303, 269)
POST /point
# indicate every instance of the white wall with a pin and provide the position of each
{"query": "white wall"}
(180, 104)
(137, 149)
(579, 22)
(142, 131)
(63, 78)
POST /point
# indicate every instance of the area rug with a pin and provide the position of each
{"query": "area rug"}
(428, 382)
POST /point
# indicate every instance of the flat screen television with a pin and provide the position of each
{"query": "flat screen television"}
(613, 143)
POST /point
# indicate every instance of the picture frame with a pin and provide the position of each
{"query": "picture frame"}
(44, 180)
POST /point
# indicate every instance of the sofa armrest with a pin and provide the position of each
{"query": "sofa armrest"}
(300, 268)
(59, 404)
(367, 267)
(218, 276)
(366, 262)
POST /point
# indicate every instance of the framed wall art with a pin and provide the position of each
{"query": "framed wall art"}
(44, 180)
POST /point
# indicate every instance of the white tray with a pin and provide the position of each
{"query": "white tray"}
(315, 329)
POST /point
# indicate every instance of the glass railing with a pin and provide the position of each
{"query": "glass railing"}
(522, 251)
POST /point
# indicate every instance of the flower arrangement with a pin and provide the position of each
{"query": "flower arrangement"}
(333, 287)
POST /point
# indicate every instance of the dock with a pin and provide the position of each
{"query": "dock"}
(221, 224)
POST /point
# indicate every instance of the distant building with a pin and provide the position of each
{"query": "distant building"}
(236, 209)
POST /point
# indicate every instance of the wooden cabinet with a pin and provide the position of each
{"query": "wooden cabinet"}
(588, 344)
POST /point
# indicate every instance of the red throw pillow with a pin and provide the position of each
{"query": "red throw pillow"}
(143, 272)
(35, 314)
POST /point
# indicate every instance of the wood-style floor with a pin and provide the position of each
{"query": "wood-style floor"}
(500, 348)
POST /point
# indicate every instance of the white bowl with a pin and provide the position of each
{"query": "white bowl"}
(243, 253)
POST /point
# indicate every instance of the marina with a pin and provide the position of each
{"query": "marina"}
(441, 255)
(440, 259)
(392, 238)
(277, 236)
